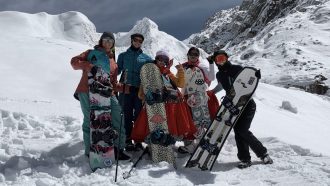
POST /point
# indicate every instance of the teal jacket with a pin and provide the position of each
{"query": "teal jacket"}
(131, 62)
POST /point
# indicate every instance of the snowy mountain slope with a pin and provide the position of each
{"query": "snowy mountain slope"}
(38, 45)
(154, 41)
(41, 137)
(35, 65)
(292, 50)
(37, 69)
(289, 40)
(72, 26)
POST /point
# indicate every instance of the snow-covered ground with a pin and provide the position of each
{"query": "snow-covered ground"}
(40, 122)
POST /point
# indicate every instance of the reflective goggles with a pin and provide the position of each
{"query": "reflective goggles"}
(221, 58)
(108, 40)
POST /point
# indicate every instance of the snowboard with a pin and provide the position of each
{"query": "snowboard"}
(195, 89)
(232, 105)
(102, 134)
(152, 86)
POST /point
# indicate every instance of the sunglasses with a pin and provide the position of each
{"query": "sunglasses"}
(108, 40)
(192, 57)
(138, 40)
(219, 59)
(193, 54)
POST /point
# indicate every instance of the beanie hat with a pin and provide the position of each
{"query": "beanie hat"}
(137, 35)
(193, 50)
(162, 53)
(107, 35)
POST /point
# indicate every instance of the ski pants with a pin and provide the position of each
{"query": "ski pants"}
(115, 115)
(132, 106)
(244, 137)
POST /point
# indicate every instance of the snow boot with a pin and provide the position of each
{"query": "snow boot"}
(244, 164)
(266, 159)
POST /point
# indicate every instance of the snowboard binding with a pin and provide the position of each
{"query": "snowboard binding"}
(153, 97)
(228, 104)
(159, 137)
(211, 148)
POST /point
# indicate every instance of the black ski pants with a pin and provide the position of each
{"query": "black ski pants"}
(244, 137)
(132, 106)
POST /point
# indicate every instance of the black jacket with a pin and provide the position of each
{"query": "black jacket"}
(226, 74)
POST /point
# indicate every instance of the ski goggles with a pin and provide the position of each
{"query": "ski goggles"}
(220, 59)
(163, 59)
(108, 40)
(137, 40)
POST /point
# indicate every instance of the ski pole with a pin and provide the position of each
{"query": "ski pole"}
(121, 120)
(128, 174)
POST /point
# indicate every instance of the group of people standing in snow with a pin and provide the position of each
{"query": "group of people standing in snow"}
(127, 95)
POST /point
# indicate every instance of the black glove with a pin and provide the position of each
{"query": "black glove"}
(210, 59)
(94, 70)
(258, 74)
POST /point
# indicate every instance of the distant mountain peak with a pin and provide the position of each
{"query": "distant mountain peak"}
(287, 39)
(144, 26)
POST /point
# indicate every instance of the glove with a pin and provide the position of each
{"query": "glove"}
(94, 70)
(210, 59)
(179, 66)
(258, 74)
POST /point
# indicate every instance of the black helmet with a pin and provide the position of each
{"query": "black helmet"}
(193, 50)
(215, 53)
(137, 35)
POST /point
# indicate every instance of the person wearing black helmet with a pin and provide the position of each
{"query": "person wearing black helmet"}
(243, 136)
(129, 66)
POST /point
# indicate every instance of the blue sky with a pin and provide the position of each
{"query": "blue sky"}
(180, 18)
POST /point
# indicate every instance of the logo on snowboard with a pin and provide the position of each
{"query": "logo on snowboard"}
(157, 118)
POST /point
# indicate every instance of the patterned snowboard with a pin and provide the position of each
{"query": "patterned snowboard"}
(195, 89)
(102, 134)
(152, 85)
(231, 107)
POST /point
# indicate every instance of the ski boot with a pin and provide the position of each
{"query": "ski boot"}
(244, 164)
(266, 159)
